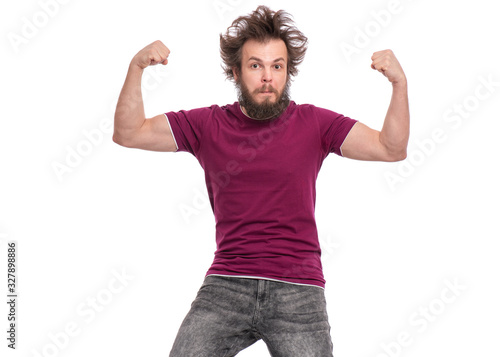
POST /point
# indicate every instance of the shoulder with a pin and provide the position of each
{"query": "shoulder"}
(307, 107)
(233, 108)
(313, 110)
(198, 113)
(217, 109)
(300, 109)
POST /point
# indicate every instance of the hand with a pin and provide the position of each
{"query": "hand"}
(151, 55)
(386, 63)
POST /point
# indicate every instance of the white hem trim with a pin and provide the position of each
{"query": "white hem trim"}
(263, 278)
(175, 141)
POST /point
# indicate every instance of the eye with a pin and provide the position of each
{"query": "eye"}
(255, 65)
(277, 66)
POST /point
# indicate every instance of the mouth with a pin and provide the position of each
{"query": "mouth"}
(266, 90)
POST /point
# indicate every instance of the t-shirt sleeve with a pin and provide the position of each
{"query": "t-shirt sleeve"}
(334, 128)
(187, 128)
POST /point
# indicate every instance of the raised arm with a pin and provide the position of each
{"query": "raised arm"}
(389, 144)
(131, 128)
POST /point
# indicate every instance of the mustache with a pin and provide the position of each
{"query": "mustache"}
(266, 88)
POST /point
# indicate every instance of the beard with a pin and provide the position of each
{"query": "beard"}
(266, 109)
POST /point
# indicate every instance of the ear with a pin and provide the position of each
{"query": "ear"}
(235, 73)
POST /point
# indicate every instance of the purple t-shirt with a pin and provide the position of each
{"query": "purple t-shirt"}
(261, 182)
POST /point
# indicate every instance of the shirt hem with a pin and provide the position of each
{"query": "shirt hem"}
(264, 278)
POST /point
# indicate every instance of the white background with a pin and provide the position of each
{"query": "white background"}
(388, 248)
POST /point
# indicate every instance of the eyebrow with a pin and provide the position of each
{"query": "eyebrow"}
(259, 60)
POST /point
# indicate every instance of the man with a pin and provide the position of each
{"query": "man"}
(261, 157)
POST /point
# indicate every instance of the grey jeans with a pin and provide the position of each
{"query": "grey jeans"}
(230, 314)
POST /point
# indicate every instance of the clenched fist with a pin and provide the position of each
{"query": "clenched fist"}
(386, 63)
(151, 55)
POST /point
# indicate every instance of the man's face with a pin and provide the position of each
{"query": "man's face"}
(263, 82)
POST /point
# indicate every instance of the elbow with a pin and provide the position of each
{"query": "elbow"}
(398, 156)
(120, 140)
(401, 157)
(395, 150)
(116, 139)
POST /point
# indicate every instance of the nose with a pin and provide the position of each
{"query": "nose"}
(267, 76)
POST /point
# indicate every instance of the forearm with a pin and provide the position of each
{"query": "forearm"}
(396, 129)
(129, 114)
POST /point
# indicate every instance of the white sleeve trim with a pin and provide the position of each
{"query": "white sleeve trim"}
(341, 153)
(175, 141)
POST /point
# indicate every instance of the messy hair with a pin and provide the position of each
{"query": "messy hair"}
(262, 25)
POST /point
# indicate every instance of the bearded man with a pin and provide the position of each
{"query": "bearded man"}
(261, 156)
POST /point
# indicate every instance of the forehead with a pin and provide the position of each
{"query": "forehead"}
(266, 51)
